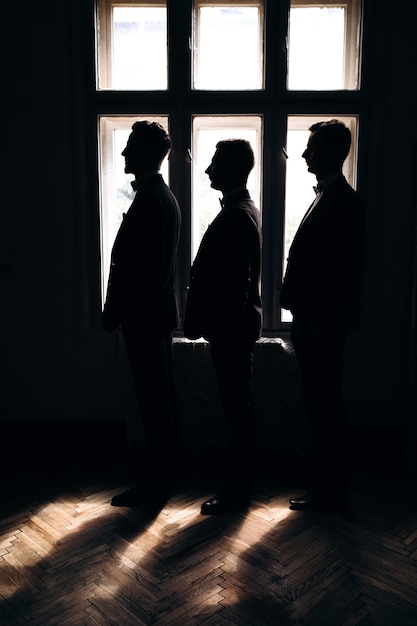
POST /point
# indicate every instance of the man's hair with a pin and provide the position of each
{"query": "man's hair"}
(239, 154)
(336, 135)
(157, 140)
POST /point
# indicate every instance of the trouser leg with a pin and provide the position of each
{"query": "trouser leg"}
(233, 363)
(321, 365)
(152, 373)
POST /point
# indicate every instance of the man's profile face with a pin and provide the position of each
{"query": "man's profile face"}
(320, 156)
(135, 154)
(217, 171)
(313, 154)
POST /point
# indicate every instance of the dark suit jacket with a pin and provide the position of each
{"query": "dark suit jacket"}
(322, 282)
(140, 292)
(223, 297)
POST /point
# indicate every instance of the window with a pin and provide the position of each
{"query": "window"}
(132, 45)
(228, 42)
(209, 70)
(323, 45)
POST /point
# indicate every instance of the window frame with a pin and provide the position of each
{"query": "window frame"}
(105, 37)
(181, 102)
(352, 38)
(196, 34)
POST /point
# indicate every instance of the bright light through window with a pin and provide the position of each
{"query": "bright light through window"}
(316, 48)
(133, 52)
(207, 131)
(140, 48)
(228, 47)
(323, 50)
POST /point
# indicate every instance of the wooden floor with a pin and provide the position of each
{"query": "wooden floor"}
(69, 558)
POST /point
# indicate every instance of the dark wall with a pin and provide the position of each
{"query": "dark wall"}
(55, 365)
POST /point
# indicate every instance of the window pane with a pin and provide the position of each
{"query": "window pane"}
(132, 46)
(299, 193)
(207, 131)
(323, 46)
(228, 47)
(116, 193)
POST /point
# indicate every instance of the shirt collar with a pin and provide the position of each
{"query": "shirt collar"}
(140, 180)
(232, 193)
(326, 182)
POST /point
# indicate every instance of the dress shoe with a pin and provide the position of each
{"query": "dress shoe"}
(318, 499)
(155, 494)
(225, 502)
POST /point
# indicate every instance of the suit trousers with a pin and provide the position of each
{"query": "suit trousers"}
(151, 363)
(233, 364)
(320, 356)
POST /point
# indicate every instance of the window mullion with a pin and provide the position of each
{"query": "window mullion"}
(273, 201)
(275, 46)
(179, 38)
(179, 83)
(274, 162)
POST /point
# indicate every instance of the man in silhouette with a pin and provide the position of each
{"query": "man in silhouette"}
(321, 288)
(141, 302)
(224, 307)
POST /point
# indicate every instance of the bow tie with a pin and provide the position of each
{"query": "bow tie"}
(134, 185)
(318, 188)
(222, 203)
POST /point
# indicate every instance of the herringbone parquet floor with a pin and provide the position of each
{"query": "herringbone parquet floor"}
(69, 558)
